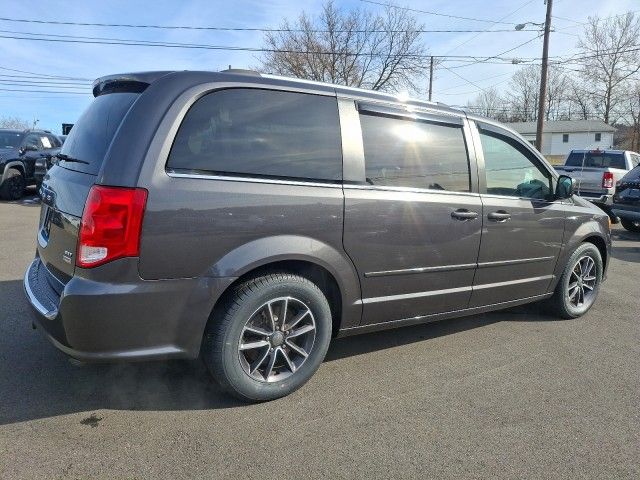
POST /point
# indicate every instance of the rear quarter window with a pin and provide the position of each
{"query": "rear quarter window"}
(93, 133)
(264, 133)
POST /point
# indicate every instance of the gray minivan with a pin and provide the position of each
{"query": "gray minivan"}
(248, 218)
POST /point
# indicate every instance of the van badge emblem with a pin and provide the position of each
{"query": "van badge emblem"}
(67, 256)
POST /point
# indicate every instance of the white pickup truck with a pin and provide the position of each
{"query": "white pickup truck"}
(596, 172)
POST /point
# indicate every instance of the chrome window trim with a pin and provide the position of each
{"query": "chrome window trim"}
(461, 266)
(446, 291)
(409, 271)
(528, 199)
(409, 112)
(518, 261)
(248, 179)
(407, 190)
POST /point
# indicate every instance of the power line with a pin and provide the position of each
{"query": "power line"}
(501, 53)
(441, 92)
(12, 78)
(500, 19)
(438, 14)
(22, 84)
(236, 29)
(47, 37)
(42, 91)
(583, 23)
(44, 74)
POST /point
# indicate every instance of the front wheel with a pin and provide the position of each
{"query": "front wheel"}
(631, 225)
(579, 284)
(13, 186)
(269, 337)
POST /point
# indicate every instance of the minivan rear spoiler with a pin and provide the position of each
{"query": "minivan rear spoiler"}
(126, 82)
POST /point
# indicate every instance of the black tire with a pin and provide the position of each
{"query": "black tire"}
(13, 186)
(630, 225)
(560, 303)
(227, 328)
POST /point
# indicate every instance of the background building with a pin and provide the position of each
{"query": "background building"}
(560, 137)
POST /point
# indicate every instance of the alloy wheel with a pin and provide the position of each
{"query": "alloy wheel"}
(582, 282)
(277, 339)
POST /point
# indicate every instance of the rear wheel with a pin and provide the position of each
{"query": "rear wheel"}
(631, 225)
(579, 284)
(13, 186)
(269, 337)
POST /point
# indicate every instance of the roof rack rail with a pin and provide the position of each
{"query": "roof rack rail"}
(241, 71)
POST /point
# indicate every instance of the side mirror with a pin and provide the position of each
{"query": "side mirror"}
(564, 187)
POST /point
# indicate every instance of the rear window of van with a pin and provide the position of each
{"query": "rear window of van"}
(93, 133)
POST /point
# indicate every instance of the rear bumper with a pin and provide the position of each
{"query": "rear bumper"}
(131, 319)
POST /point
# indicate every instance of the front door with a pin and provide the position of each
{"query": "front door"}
(523, 225)
(413, 227)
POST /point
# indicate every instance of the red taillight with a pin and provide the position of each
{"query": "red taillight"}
(607, 180)
(111, 225)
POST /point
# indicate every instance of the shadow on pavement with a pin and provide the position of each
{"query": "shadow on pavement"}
(627, 254)
(621, 234)
(37, 381)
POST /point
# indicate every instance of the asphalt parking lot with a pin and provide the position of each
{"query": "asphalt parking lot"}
(515, 394)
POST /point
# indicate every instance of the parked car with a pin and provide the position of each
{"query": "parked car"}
(596, 173)
(19, 151)
(250, 218)
(43, 162)
(626, 201)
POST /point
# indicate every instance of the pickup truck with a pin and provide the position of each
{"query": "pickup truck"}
(596, 172)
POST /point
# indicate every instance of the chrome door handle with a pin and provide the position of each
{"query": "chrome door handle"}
(499, 216)
(464, 214)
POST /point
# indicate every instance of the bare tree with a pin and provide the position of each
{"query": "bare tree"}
(524, 91)
(354, 48)
(14, 123)
(611, 57)
(557, 95)
(489, 103)
(631, 134)
(579, 101)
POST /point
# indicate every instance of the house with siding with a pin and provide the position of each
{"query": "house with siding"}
(561, 136)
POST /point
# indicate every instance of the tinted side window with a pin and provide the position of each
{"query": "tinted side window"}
(33, 140)
(511, 170)
(408, 153)
(261, 132)
(54, 141)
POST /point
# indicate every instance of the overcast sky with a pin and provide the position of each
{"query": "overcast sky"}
(92, 61)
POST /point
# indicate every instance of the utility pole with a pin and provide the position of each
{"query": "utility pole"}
(542, 98)
(430, 77)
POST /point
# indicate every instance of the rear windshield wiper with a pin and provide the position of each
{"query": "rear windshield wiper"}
(67, 158)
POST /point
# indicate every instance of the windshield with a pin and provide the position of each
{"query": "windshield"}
(10, 139)
(596, 159)
(92, 134)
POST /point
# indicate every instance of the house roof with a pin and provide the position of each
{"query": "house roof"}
(562, 126)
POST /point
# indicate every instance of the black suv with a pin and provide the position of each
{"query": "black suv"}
(248, 219)
(19, 152)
